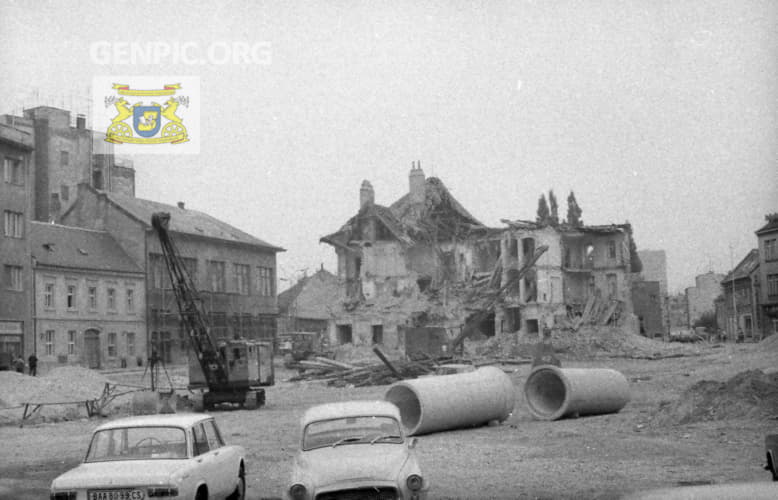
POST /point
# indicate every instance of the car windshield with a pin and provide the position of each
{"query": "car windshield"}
(351, 430)
(137, 443)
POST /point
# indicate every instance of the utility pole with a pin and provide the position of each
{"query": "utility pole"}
(734, 302)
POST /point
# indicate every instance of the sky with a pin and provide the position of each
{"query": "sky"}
(661, 113)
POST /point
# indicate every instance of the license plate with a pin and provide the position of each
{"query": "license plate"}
(116, 495)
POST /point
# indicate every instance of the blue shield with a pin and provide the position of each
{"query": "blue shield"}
(146, 120)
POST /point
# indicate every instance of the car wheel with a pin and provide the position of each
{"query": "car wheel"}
(240, 490)
(202, 493)
(772, 468)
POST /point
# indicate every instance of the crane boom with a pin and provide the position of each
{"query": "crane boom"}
(190, 307)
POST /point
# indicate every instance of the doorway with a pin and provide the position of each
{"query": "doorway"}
(92, 348)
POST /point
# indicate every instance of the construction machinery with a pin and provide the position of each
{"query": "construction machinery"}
(231, 371)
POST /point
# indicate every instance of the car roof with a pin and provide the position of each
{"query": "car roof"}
(165, 419)
(350, 409)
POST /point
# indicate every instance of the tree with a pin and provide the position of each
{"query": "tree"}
(573, 211)
(554, 207)
(543, 212)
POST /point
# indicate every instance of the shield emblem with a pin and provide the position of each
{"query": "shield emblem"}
(146, 120)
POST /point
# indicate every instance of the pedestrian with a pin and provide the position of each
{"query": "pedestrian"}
(19, 363)
(32, 363)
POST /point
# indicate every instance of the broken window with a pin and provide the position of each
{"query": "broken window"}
(612, 249)
(589, 255)
(513, 250)
(612, 286)
(531, 286)
(567, 257)
(532, 326)
(513, 317)
(515, 282)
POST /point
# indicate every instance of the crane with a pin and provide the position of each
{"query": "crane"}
(231, 375)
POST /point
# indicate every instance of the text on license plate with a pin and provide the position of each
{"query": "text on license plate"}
(116, 495)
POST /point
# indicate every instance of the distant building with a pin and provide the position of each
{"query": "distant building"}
(16, 155)
(767, 237)
(304, 306)
(67, 155)
(235, 273)
(701, 297)
(738, 306)
(89, 299)
(678, 312)
(647, 305)
(655, 269)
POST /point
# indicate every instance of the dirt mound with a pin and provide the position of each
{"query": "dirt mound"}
(60, 385)
(769, 343)
(749, 394)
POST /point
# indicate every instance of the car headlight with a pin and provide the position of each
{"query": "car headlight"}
(297, 492)
(163, 491)
(414, 482)
(63, 495)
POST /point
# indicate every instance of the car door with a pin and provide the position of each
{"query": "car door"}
(223, 470)
(203, 458)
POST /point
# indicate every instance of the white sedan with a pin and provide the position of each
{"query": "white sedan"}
(356, 450)
(169, 456)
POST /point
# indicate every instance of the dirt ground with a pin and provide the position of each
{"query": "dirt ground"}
(600, 457)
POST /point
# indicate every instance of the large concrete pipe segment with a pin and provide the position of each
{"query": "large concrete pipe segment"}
(553, 393)
(443, 402)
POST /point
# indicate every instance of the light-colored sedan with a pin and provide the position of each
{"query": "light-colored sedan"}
(168, 456)
(356, 450)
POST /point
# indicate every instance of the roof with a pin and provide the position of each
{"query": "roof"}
(184, 220)
(350, 409)
(74, 247)
(288, 296)
(405, 222)
(772, 225)
(16, 137)
(163, 419)
(748, 265)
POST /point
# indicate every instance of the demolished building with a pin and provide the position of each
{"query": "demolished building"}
(426, 261)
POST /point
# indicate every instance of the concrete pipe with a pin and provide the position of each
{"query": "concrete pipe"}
(443, 402)
(553, 393)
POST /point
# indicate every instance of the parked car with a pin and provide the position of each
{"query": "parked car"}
(172, 456)
(356, 449)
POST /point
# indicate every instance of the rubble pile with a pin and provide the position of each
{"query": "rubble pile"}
(749, 394)
(362, 373)
(350, 353)
(60, 385)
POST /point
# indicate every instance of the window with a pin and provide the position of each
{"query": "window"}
(200, 440)
(64, 158)
(92, 297)
(190, 265)
(241, 278)
(13, 278)
(64, 192)
(612, 249)
(214, 438)
(111, 344)
(71, 297)
(378, 334)
(130, 300)
(13, 171)
(111, 299)
(130, 343)
(48, 296)
(49, 342)
(13, 224)
(772, 285)
(265, 281)
(216, 279)
(71, 342)
(771, 249)
(159, 274)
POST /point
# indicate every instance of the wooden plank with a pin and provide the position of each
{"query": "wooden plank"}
(337, 364)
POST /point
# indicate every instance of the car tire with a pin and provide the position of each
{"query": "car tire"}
(202, 493)
(240, 490)
(772, 467)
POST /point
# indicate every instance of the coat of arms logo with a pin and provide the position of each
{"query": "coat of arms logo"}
(146, 119)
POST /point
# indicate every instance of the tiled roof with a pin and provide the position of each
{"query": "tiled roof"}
(746, 266)
(187, 221)
(77, 248)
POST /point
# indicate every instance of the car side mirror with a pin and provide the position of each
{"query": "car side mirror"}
(412, 443)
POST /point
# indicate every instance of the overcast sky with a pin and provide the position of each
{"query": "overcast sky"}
(662, 113)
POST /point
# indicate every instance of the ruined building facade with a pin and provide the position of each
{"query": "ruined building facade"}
(426, 261)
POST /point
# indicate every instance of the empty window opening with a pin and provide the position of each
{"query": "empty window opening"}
(378, 334)
(528, 248)
(513, 319)
(344, 334)
(424, 283)
(532, 327)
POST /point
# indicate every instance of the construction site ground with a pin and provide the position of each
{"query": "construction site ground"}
(698, 417)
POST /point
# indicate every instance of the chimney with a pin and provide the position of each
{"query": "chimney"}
(366, 194)
(181, 205)
(81, 122)
(416, 183)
